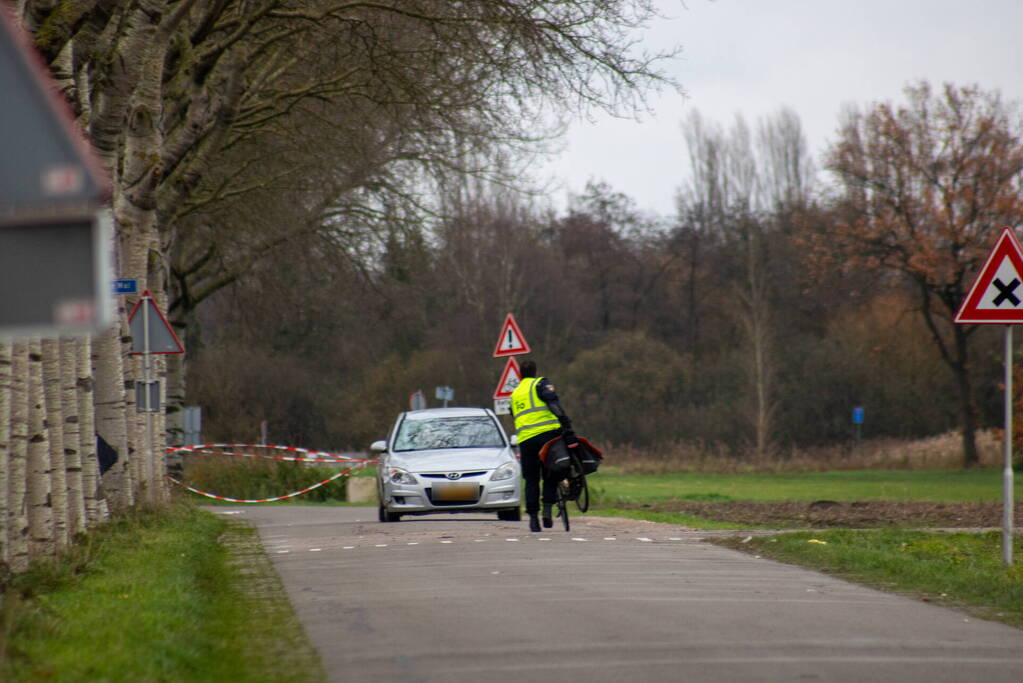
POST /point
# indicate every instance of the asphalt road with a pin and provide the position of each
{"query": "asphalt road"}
(468, 598)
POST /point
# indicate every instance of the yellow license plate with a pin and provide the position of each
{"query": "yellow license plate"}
(455, 491)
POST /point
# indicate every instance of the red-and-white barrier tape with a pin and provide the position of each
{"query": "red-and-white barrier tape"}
(206, 449)
(221, 449)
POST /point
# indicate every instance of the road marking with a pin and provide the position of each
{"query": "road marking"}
(511, 539)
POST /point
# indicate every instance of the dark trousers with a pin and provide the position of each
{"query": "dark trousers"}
(533, 471)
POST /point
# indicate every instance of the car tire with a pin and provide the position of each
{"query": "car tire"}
(511, 515)
(385, 516)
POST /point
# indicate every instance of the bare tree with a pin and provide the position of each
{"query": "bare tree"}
(723, 196)
(167, 90)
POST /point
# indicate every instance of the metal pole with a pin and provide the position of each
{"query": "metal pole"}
(147, 401)
(1007, 521)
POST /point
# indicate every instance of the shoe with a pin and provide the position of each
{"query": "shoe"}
(534, 523)
(548, 522)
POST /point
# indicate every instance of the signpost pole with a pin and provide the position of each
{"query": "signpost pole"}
(1007, 521)
(146, 355)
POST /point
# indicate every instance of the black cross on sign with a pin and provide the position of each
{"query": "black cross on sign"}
(1005, 292)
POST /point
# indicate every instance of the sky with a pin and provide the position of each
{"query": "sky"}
(753, 57)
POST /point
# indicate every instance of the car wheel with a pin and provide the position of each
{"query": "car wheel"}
(382, 513)
(513, 515)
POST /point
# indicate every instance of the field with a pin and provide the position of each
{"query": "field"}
(857, 499)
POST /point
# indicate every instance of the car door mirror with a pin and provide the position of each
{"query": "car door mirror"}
(378, 446)
(514, 440)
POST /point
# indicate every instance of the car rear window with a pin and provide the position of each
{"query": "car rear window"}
(448, 432)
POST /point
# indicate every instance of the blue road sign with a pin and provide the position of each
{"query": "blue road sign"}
(857, 415)
(126, 286)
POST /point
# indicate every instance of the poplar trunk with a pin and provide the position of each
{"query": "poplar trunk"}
(42, 541)
(17, 479)
(72, 435)
(55, 431)
(111, 424)
(87, 435)
(5, 445)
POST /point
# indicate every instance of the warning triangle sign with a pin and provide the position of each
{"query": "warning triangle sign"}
(996, 296)
(510, 379)
(511, 342)
(161, 336)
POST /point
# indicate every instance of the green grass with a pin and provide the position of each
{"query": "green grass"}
(976, 485)
(963, 570)
(170, 595)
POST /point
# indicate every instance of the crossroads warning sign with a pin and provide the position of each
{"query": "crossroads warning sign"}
(511, 342)
(510, 379)
(996, 296)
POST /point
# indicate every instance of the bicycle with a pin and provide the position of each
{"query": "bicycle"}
(573, 488)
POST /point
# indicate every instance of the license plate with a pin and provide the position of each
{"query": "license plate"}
(450, 492)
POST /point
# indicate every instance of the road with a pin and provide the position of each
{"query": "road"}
(468, 598)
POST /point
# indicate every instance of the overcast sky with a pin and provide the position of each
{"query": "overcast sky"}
(755, 56)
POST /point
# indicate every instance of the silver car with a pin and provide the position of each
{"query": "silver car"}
(447, 460)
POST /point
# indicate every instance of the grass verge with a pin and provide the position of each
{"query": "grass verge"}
(961, 570)
(172, 594)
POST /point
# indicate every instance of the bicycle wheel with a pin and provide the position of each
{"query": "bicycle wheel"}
(582, 501)
(563, 504)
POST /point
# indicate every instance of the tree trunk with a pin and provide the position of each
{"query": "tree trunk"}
(5, 445)
(95, 506)
(967, 406)
(755, 315)
(42, 541)
(72, 435)
(55, 430)
(111, 424)
(17, 500)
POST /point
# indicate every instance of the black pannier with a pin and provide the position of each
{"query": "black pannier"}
(555, 458)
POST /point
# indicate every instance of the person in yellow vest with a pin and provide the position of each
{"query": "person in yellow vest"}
(539, 418)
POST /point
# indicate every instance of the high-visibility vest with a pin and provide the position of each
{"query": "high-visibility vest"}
(532, 416)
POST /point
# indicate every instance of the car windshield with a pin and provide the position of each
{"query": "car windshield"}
(448, 432)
